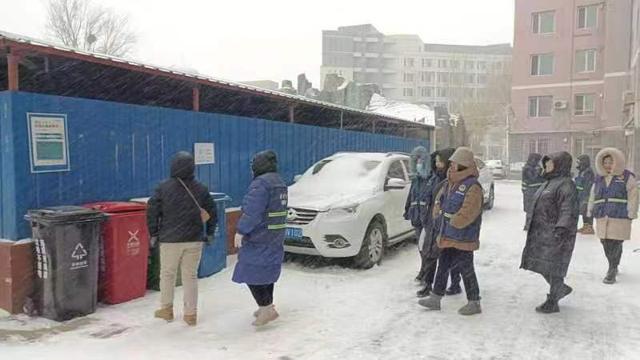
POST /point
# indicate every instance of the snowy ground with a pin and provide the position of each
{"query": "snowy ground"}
(330, 312)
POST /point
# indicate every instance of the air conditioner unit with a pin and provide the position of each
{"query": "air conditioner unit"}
(560, 104)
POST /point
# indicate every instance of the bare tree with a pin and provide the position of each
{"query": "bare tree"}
(83, 25)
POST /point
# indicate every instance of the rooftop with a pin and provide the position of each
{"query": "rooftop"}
(49, 68)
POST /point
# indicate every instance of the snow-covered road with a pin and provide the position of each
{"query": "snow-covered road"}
(329, 312)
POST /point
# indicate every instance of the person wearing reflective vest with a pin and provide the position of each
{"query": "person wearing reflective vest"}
(419, 212)
(614, 204)
(584, 182)
(458, 211)
(260, 235)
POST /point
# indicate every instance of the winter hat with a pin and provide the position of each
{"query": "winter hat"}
(463, 156)
(264, 162)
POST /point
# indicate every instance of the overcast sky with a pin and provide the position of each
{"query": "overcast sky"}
(259, 39)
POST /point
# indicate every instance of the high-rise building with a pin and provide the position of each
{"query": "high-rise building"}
(407, 69)
(570, 75)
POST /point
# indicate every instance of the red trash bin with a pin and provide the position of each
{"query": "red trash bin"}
(123, 271)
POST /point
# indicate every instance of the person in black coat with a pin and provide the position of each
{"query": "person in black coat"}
(552, 222)
(584, 182)
(416, 203)
(181, 216)
(531, 180)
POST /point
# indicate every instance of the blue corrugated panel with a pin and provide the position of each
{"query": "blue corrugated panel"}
(121, 151)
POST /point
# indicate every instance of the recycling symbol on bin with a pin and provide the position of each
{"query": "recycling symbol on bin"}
(79, 252)
(133, 244)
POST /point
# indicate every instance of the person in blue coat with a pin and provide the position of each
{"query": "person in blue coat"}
(260, 234)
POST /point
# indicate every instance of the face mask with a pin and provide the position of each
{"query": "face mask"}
(420, 169)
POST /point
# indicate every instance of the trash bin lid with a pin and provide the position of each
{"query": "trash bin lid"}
(142, 200)
(114, 207)
(65, 213)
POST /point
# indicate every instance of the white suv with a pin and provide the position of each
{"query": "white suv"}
(350, 205)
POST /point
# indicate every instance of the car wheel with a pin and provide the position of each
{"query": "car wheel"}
(372, 249)
(489, 204)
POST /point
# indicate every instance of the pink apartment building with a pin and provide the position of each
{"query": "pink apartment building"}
(571, 62)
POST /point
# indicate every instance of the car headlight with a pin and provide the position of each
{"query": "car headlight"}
(343, 211)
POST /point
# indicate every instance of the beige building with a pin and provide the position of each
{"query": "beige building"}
(407, 69)
(570, 75)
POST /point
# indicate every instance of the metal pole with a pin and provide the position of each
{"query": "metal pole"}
(13, 61)
(292, 112)
(196, 98)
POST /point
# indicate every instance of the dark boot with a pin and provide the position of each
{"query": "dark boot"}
(566, 290)
(454, 289)
(548, 307)
(424, 292)
(419, 278)
(611, 276)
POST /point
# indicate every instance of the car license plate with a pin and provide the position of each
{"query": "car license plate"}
(294, 234)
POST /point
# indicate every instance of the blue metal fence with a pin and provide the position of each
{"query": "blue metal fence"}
(120, 151)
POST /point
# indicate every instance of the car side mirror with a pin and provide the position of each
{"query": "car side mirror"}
(297, 178)
(395, 184)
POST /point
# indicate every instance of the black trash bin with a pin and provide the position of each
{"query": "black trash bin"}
(67, 246)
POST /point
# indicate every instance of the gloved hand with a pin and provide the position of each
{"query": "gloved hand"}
(560, 233)
(406, 216)
(210, 240)
(153, 242)
(237, 240)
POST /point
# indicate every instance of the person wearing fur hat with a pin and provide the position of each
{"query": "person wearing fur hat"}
(458, 211)
(613, 202)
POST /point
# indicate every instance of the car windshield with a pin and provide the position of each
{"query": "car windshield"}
(339, 175)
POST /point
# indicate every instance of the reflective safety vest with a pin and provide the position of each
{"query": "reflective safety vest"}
(451, 202)
(277, 210)
(532, 186)
(611, 201)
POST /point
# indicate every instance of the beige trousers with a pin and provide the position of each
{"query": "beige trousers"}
(186, 256)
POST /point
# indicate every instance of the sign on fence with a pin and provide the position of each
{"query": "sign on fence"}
(48, 142)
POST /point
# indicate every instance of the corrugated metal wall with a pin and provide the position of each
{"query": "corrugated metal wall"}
(120, 151)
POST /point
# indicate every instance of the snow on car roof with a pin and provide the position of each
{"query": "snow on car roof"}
(368, 156)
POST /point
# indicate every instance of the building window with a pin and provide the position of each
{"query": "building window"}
(407, 92)
(540, 106)
(543, 146)
(586, 60)
(427, 63)
(482, 65)
(442, 64)
(408, 77)
(533, 146)
(427, 77)
(542, 64)
(442, 92)
(482, 79)
(469, 65)
(584, 104)
(426, 92)
(409, 62)
(544, 22)
(587, 17)
(470, 78)
(454, 64)
(540, 146)
(443, 78)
